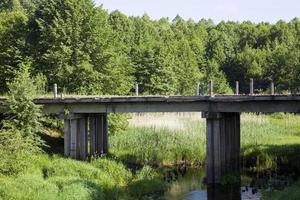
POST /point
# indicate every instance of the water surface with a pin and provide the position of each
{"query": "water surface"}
(191, 187)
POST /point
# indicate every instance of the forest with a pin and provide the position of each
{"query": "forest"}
(86, 50)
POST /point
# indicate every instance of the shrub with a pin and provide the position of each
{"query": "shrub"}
(23, 115)
(117, 123)
(18, 137)
(13, 152)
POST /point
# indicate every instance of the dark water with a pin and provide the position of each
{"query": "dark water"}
(191, 187)
(188, 185)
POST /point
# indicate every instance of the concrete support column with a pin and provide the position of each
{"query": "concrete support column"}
(223, 145)
(1, 119)
(75, 136)
(98, 134)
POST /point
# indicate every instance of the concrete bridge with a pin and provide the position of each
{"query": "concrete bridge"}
(85, 119)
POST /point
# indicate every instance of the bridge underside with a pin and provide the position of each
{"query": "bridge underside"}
(222, 139)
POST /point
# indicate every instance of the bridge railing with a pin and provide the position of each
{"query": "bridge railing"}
(60, 92)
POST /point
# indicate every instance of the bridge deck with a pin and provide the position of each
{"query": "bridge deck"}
(222, 103)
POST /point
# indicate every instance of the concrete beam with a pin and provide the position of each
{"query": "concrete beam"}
(236, 103)
(223, 145)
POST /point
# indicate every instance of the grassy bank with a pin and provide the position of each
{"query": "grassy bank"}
(60, 178)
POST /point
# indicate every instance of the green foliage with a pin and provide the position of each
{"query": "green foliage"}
(23, 115)
(87, 50)
(12, 46)
(14, 152)
(40, 82)
(117, 123)
(18, 137)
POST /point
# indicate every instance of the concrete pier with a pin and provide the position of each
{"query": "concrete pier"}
(81, 128)
(223, 145)
(98, 134)
(75, 136)
(1, 119)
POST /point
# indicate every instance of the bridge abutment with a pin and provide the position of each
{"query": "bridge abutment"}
(79, 129)
(223, 145)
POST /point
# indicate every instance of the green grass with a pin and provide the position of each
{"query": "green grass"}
(160, 145)
(270, 141)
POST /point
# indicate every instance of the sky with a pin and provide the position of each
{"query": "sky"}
(217, 10)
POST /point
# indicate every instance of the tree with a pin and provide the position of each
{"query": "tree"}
(19, 136)
(23, 115)
(62, 38)
(13, 33)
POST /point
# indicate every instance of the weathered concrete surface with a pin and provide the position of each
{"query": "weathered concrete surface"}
(222, 145)
(236, 103)
(98, 134)
(75, 136)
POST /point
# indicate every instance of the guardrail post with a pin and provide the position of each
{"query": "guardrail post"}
(55, 90)
(272, 88)
(211, 88)
(251, 86)
(237, 88)
(202, 89)
(137, 89)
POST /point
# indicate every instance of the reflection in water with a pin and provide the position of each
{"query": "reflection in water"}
(232, 192)
(192, 181)
(191, 187)
(196, 195)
